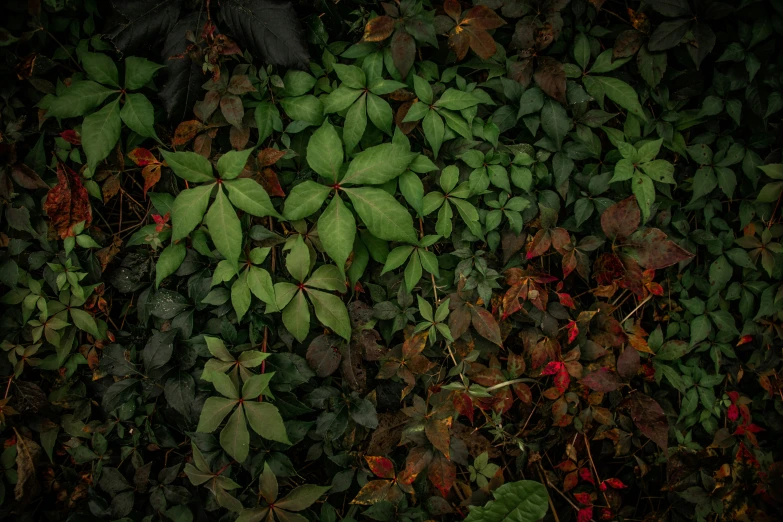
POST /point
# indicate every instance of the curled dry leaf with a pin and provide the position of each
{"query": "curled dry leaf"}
(68, 202)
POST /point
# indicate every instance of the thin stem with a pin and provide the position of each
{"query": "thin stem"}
(590, 456)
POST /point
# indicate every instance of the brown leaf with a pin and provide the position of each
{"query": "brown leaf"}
(483, 17)
(486, 325)
(186, 131)
(474, 440)
(459, 41)
(442, 473)
(268, 179)
(522, 71)
(453, 9)
(68, 202)
(203, 145)
(110, 187)
(323, 355)
(414, 345)
(403, 49)
(353, 370)
(27, 177)
(378, 29)
(649, 417)
(106, 254)
(387, 435)
(268, 157)
(627, 43)
(27, 454)
(375, 491)
(459, 318)
(203, 109)
(511, 243)
(551, 78)
(142, 157)
(481, 42)
(602, 380)
(239, 136)
(654, 251)
(402, 95)
(151, 175)
(629, 362)
(621, 219)
(240, 84)
(405, 126)
(417, 461)
(232, 109)
(437, 431)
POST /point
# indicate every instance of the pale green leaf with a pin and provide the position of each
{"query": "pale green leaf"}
(188, 210)
(189, 166)
(331, 311)
(248, 195)
(383, 215)
(337, 231)
(224, 227)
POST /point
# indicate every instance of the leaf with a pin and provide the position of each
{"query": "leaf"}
(551, 78)
(355, 123)
(520, 501)
(265, 420)
(214, 411)
(180, 391)
(234, 437)
(323, 355)
(27, 177)
(644, 190)
(296, 316)
(78, 99)
(188, 210)
(184, 76)
(327, 277)
(297, 262)
(331, 311)
(378, 29)
(486, 325)
(67, 203)
(437, 432)
(668, 34)
(304, 199)
(337, 231)
(231, 164)
(28, 453)
(555, 121)
(649, 417)
(654, 251)
(325, 152)
(672, 8)
(100, 133)
(628, 363)
(619, 92)
(434, 130)
(100, 67)
(189, 166)
(377, 165)
(442, 473)
(381, 467)
(302, 497)
(247, 195)
(146, 20)
(602, 380)
(627, 44)
(169, 261)
(456, 100)
(139, 72)
(403, 50)
(138, 115)
(380, 113)
(270, 30)
(382, 214)
(224, 227)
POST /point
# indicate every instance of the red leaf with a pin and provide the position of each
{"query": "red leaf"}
(232, 108)
(615, 483)
(68, 202)
(655, 251)
(463, 404)
(378, 29)
(268, 179)
(621, 219)
(583, 498)
(562, 380)
(381, 466)
(375, 491)
(442, 473)
(142, 157)
(573, 331)
(585, 514)
(71, 137)
(540, 244)
(417, 460)
(745, 339)
(552, 368)
(602, 380)
(586, 475)
(551, 78)
(565, 299)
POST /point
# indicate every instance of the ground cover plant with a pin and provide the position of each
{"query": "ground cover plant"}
(501, 260)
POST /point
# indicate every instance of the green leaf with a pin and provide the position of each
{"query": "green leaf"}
(455, 100)
(265, 420)
(267, 120)
(380, 113)
(138, 115)
(351, 76)
(224, 227)
(774, 171)
(672, 351)
(234, 437)
(248, 195)
(412, 271)
(100, 67)
(383, 215)
(331, 311)
(218, 349)
(378, 164)
(214, 411)
(260, 283)
(84, 321)
(412, 190)
(325, 152)
(304, 199)
(257, 384)
(555, 121)
(669, 34)
(340, 99)
(619, 92)
(100, 133)
(659, 170)
(700, 329)
(396, 258)
(531, 102)
(644, 190)
(304, 108)
(704, 182)
(240, 296)
(327, 277)
(434, 129)
(355, 124)
(138, 72)
(297, 262)
(169, 261)
(582, 50)
(296, 316)
(521, 501)
(457, 123)
(423, 89)
(231, 164)
(337, 231)
(189, 166)
(770, 192)
(302, 497)
(297, 83)
(78, 99)
(188, 210)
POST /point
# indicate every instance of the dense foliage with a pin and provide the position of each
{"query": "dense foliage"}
(389, 261)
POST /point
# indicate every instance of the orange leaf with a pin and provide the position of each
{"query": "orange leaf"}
(151, 175)
(442, 474)
(378, 29)
(67, 203)
(269, 157)
(142, 157)
(186, 131)
(437, 432)
(414, 345)
(381, 466)
(110, 187)
(375, 491)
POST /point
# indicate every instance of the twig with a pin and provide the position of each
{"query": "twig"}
(635, 309)
(590, 456)
(548, 498)
(8, 388)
